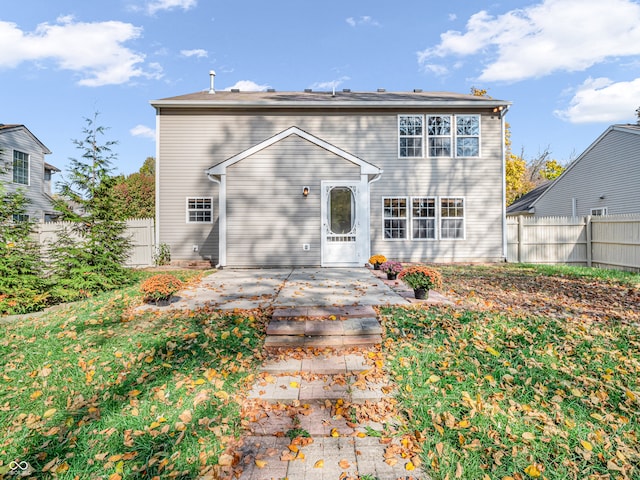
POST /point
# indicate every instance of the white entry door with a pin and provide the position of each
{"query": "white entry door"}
(342, 235)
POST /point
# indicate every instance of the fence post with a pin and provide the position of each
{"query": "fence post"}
(587, 226)
(520, 238)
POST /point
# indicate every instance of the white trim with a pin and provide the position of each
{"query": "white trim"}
(362, 221)
(503, 149)
(422, 137)
(188, 210)
(435, 218)
(13, 172)
(157, 168)
(407, 206)
(464, 217)
(222, 221)
(604, 210)
(365, 167)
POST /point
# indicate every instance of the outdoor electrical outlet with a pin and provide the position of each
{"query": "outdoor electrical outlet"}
(306, 247)
(195, 248)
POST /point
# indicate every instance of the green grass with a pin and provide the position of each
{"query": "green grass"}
(499, 396)
(93, 389)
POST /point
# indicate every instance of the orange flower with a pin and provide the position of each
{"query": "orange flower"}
(160, 287)
(420, 276)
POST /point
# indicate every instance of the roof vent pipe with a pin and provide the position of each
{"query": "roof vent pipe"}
(212, 76)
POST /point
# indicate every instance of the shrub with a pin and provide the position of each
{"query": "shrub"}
(160, 287)
(420, 276)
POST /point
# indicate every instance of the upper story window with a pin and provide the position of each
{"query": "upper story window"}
(410, 134)
(599, 211)
(467, 136)
(20, 168)
(439, 133)
(446, 135)
(199, 210)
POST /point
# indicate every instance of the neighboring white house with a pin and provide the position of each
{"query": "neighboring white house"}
(249, 179)
(603, 180)
(22, 158)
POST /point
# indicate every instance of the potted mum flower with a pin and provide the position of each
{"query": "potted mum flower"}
(160, 288)
(392, 269)
(422, 279)
(377, 260)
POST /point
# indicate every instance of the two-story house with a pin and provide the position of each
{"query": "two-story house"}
(23, 166)
(248, 179)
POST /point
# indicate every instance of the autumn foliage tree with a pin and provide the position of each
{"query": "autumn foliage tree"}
(134, 195)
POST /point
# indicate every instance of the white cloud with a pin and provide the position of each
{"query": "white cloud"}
(602, 100)
(248, 86)
(365, 20)
(554, 35)
(452, 17)
(157, 5)
(330, 85)
(143, 131)
(198, 52)
(74, 45)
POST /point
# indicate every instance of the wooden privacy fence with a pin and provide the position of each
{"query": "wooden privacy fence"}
(610, 241)
(140, 231)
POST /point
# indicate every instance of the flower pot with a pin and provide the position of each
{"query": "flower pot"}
(376, 266)
(421, 293)
(392, 276)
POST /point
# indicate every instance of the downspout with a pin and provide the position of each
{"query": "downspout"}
(156, 233)
(503, 112)
(222, 219)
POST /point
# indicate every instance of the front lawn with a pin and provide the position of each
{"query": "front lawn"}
(535, 373)
(93, 390)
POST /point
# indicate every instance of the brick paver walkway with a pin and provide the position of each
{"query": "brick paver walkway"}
(323, 413)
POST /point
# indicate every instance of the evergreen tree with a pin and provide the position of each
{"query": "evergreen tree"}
(22, 283)
(89, 257)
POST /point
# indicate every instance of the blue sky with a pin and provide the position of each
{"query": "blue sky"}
(570, 67)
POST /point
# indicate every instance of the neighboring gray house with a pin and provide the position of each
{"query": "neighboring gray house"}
(247, 179)
(22, 158)
(603, 180)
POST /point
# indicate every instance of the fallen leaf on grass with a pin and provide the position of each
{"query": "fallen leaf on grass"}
(319, 464)
(344, 463)
(260, 463)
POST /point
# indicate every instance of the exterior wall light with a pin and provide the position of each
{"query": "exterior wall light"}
(305, 191)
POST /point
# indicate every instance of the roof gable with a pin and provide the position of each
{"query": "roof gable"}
(8, 128)
(366, 168)
(630, 129)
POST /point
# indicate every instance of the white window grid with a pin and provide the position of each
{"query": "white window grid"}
(599, 211)
(199, 209)
(20, 167)
(452, 224)
(410, 136)
(443, 136)
(423, 218)
(394, 218)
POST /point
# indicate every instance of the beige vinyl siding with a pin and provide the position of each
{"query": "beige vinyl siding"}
(611, 167)
(193, 140)
(268, 219)
(18, 139)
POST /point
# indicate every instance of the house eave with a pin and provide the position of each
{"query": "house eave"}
(327, 104)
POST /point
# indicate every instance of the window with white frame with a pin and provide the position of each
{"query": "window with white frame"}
(467, 136)
(446, 136)
(439, 135)
(20, 168)
(20, 217)
(395, 217)
(199, 210)
(599, 211)
(423, 218)
(452, 218)
(410, 135)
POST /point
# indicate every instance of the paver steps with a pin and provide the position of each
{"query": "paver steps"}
(336, 327)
